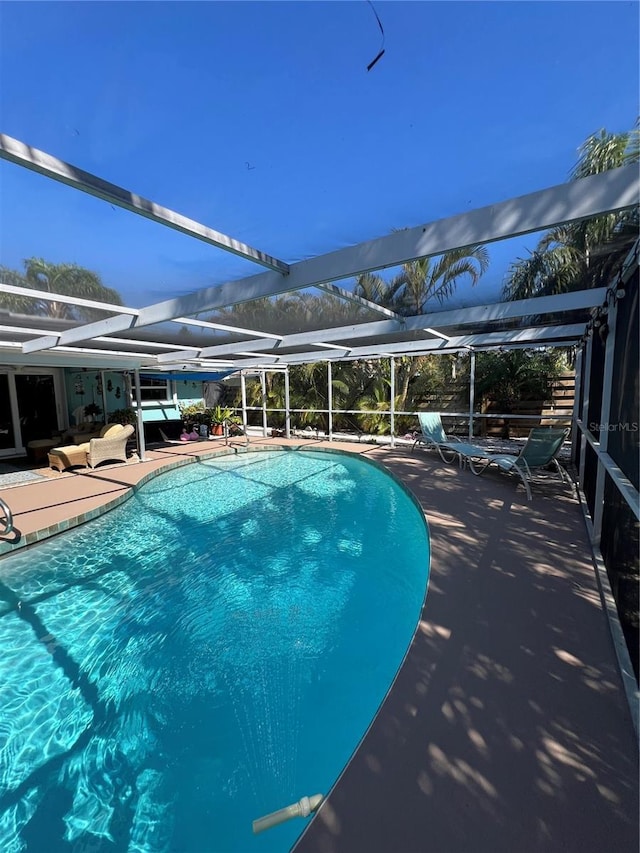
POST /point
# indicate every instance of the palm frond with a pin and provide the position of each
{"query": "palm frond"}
(603, 151)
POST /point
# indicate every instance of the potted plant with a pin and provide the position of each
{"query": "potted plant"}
(193, 414)
(124, 417)
(218, 416)
(92, 411)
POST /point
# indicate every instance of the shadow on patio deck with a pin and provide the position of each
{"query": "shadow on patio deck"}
(507, 728)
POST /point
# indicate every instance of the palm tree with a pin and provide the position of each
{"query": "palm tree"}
(65, 279)
(417, 284)
(292, 311)
(374, 288)
(377, 400)
(583, 254)
(9, 301)
(409, 292)
(422, 281)
(603, 151)
(427, 279)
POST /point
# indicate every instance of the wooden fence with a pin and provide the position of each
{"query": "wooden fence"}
(559, 403)
(455, 399)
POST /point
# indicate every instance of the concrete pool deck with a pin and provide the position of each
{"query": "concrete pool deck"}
(507, 728)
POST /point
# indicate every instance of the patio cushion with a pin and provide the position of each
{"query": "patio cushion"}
(69, 456)
(110, 431)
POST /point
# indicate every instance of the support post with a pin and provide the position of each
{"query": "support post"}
(577, 414)
(287, 405)
(263, 386)
(104, 397)
(472, 392)
(141, 444)
(392, 371)
(330, 399)
(605, 414)
(243, 394)
(584, 415)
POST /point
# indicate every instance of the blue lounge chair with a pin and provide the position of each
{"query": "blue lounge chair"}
(433, 435)
(540, 451)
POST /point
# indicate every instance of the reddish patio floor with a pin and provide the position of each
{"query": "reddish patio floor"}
(507, 729)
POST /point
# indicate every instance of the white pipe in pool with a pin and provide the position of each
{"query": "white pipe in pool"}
(303, 808)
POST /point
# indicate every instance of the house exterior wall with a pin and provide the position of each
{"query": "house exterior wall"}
(111, 390)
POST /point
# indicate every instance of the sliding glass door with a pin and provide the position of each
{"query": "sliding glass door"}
(30, 408)
(7, 431)
(36, 398)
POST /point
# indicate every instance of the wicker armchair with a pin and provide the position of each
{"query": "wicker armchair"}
(112, 447)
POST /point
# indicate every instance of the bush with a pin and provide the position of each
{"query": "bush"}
(193, 413)
(124, 417)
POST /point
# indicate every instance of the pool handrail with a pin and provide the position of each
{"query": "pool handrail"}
(7, 522)
(225, 427)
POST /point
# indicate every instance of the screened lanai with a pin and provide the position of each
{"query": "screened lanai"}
(240, 328)
(188, 332)
(312, 219)
(506, 713)
(199, 334)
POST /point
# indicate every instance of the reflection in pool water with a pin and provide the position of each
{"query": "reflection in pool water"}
(208, 652)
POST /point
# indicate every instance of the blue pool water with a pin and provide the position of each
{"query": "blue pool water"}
(208, 652)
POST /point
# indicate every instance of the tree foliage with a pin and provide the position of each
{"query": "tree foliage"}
(424, 281)
(292, 312)
(585, 254)
(508, 377)
(65, 279)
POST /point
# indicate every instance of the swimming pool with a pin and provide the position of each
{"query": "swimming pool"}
(208, 652)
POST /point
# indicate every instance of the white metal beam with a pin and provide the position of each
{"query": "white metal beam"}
(10, 353)
(139, 343)
(195, 366)
(23, 330)
(535, 336)
(48, 296)
(207, 324)
(438, 334)
(261, 355)
(239, 348)
(332, 346)
(480, 314)
(39, 161)
(347, 295)
(576, 200)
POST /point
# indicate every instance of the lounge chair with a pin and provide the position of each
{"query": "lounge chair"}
(540, 451)
(111, 446)
(433, 435)
(67, 456)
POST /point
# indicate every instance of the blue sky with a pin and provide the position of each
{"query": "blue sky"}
(261, 121)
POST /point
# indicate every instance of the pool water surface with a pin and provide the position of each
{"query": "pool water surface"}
(208, 652)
